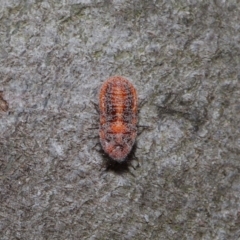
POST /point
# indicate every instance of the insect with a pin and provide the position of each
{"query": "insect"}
(3, 103)
(118, 117)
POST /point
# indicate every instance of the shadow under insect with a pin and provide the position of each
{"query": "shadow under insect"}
(119, 167)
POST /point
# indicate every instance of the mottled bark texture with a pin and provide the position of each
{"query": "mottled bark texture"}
(183, 58)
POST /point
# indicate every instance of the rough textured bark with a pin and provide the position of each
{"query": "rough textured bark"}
(183, 58)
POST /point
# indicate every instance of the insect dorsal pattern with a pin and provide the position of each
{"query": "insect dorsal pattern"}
(118, 117)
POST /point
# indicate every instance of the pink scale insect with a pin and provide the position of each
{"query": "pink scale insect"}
(118, 108)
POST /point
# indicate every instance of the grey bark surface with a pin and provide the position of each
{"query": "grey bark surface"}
(183, 58)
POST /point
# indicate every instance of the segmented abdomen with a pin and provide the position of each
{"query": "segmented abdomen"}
(118, 101)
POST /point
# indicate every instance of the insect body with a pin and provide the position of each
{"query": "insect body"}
(3, 103)
(118, 117)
